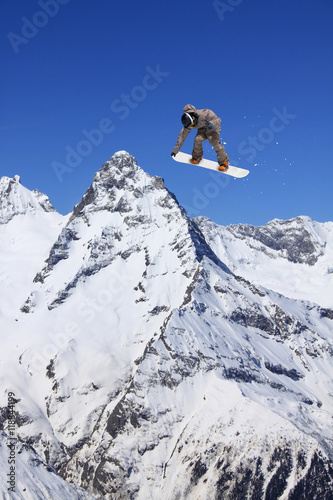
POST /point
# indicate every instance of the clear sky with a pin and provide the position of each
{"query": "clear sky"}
(82, 79)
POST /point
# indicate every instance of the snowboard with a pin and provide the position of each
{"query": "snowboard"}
(212, 165)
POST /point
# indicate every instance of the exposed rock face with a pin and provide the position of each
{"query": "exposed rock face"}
(291, 239)
(157, 361)
(281, 255)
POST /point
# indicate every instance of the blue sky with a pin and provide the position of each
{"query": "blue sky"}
(83, 79)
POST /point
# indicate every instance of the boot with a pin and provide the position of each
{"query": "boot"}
(224, 167)
(195, 162)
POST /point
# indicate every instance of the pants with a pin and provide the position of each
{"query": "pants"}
(214, 139)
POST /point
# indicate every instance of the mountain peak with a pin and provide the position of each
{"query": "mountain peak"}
(125, 212)
(15, 199)
(124, 168)
(115, 183)
(121, 165)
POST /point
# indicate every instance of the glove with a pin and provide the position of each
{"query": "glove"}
(210, 125)
(173, 153)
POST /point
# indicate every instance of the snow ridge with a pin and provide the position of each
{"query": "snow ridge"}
(17, 200)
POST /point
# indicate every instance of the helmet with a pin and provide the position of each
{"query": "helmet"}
(187, 120)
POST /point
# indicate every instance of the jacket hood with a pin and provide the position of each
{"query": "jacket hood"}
(189, 108)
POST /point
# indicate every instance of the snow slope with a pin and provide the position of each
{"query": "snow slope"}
(28, 226)
(156, 356)
(34, 479)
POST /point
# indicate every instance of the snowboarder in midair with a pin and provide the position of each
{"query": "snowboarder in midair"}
(208, 125)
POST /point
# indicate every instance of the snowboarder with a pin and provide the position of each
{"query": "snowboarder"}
(209, 127)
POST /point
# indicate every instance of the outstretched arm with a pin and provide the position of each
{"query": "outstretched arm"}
(180, 141)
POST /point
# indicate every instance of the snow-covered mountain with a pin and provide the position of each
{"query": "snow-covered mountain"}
(152, 355)
(292, 257)
(28, 227)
